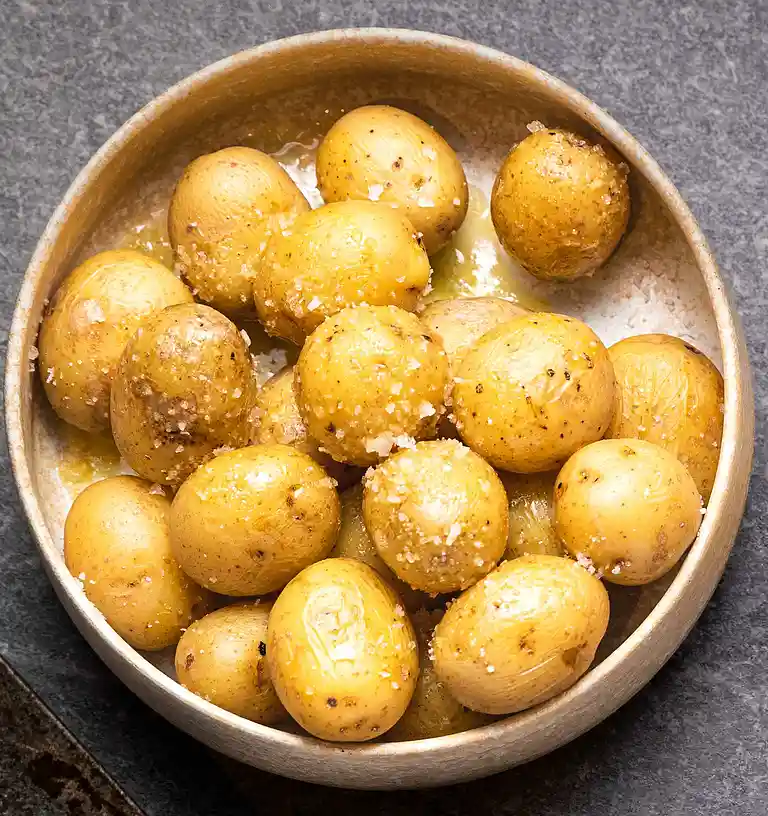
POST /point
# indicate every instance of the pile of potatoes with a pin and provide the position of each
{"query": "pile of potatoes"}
(408, 532)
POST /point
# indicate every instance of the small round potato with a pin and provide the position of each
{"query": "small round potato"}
(370, 379)
(437, 515)
(87, 324)
(533, 391)
(184, 388)
(116, 543)
(223, 210)
(222, 658)
(249, 520)
(560, 205)
(342, 653)
(526, 632)
(531, 523)
(670, 393)
(339, 255)
(386, 154)
(628, 507)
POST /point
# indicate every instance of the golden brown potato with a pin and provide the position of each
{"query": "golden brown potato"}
(249, 520)
(526, 632)
(531, 523)
(370, 379)
(533, 391)
(342, 653)
(560, 205)
(223, 210)
(116, 544)
(222, 658)
(87, 324)
(628, 508)
(670, 393)
(438, 516)
(385, 154)
(184, 388)
(339, 255)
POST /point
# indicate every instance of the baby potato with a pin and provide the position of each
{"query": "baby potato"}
(339, 255)
(87, 324)
(533, 391)
(370, 379)
(249, 520)
(222, 212)
(669, 393)
(184, 387)
(438, 515)
(342, 654)
(526, 632)
(386, 154)
(222, 658)
(559, 204)
(628, 507)
(116, 544)
(531, 524)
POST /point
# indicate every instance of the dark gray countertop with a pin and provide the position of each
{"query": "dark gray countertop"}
(690, 81)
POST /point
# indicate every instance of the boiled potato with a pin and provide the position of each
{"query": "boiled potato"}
(437, 515)
(560, 204)
(385, 154)
(222, 658)
(523, 634)
(222, 212)
(87, 324)
(249, 520)
(370, 379)
(342, 653)
(670, 393)
(116, 543)
(627, 507)
(533, 391)
(184, 388)
(531, 523)
(339, 255)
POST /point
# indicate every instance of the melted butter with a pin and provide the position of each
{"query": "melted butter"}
(85, 458)
(150, 236)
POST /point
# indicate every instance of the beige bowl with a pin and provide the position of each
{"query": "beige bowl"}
(662, 278)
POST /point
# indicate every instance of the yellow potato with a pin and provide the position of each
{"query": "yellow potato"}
(531, 523)
(342, 653)
(526, 632)
(628, 508)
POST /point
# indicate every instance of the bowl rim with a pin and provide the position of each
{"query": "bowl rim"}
(622, 673)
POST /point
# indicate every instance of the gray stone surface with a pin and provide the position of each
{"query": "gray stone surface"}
(689, 80)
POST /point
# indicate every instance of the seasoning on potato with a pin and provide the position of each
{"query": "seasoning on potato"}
(342, 653)
(116, 543)
(386, 154)
(533, 391)
(370, 379)
(248, 521)
(671, 394)
(222, 212)
(531, 522)
(437, 515)
(526, 632)
(627, 507)
(87, 324)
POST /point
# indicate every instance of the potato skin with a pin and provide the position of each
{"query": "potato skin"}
(369, 379)
(669, 393)
(629, 507)
(533, 391)
(222, 658)
(342, 653)
(526, 632)
(386, 154)
(531, 514)
(184, 387)
(438, 516)
(116, 542)
(559, 204)
(222, 212)
(87, 324)
(342, 254)
(248, 521)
